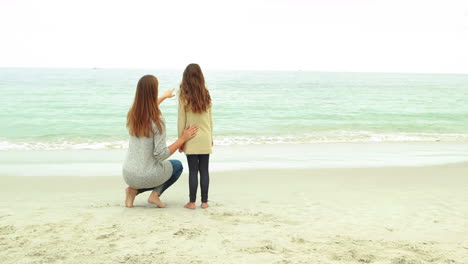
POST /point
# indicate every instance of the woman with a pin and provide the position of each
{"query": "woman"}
(145, 167)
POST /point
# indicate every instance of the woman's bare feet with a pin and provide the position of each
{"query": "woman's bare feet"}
(154, 199)
(190, 205)
(204, 205)
(130, 195)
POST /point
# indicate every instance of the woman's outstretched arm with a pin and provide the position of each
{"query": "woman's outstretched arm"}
(166, 94)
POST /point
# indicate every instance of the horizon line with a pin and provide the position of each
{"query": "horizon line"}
(227, 69)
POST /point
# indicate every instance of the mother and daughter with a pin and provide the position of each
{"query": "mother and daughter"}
(146, 167)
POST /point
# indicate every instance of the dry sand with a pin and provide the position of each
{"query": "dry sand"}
(370, 215)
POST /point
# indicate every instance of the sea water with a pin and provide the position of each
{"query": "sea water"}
(85, 109)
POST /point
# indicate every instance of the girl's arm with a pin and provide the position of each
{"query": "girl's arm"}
(166, 94)
(211, 121)
(181, 122)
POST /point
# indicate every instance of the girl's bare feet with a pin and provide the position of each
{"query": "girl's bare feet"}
(154, 199)
(130, 195)
(190, 205)
(204, 205)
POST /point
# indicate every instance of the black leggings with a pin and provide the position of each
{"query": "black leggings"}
(198, 163)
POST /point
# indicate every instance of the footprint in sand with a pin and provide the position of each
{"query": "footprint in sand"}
(353, 255)
(105, 236)
(7, 230)
(406, 260)
(188, 233)
(266, 246)
(4, 214)
(283, 261)
(110, 232)
(298, 240)
(237, 217)
(104, 205)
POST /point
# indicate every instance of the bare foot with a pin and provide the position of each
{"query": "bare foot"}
(130, 195)
(204, 205)
(190, 205)
(154, 199)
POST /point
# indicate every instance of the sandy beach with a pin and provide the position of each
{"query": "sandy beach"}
(363, 215)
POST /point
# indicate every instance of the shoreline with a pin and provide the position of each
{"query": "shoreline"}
(339, 215)
(243, 157)
(461, 164)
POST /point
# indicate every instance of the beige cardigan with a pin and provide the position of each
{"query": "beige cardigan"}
(202, 143)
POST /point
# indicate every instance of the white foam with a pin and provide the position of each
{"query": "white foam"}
(241, 157)
(64, 145)
(328, 137)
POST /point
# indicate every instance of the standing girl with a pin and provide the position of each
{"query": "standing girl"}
(195, 110)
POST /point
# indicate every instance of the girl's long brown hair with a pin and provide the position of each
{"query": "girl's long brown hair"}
(193, 92)
(145, 108)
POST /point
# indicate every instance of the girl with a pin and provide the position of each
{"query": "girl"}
(195, 109)
(146, 167)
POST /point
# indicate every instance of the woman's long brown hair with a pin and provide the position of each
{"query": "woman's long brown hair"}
(145, 108)
(193, 92)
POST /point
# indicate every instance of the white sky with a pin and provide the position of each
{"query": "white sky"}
(321, 35)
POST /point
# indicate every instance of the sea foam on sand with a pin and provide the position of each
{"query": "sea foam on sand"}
(108, 162)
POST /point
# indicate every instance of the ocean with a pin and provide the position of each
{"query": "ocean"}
(71, 122)
(60, 109)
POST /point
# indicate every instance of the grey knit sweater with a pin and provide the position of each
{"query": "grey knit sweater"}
(145, 165)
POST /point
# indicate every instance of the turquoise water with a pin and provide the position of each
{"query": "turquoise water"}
(86, 108)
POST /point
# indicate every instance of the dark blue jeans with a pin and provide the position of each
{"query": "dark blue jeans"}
(177, 169)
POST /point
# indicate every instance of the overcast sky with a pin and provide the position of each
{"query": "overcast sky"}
(322, 35)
